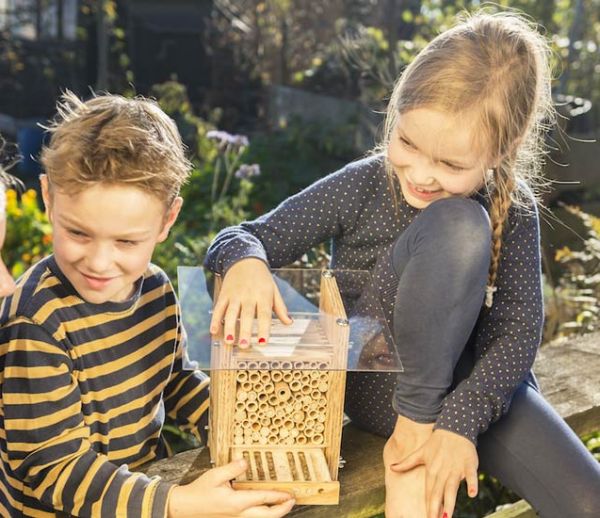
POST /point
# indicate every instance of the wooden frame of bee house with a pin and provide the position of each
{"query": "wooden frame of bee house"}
(284, 414)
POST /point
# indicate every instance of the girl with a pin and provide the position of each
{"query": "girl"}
(445, 218)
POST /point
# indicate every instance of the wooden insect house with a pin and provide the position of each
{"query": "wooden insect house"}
(283, 413)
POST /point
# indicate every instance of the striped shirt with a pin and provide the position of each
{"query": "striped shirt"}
(84, 392)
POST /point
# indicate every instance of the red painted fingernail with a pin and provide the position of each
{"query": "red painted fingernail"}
(229, 338)
(261, 341)
(445, 515)
(244, 342)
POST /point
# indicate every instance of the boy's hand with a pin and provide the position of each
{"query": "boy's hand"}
(448, 459)
(211, 496)
(248, 289)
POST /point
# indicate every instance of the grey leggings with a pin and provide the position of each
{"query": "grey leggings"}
(530, 449)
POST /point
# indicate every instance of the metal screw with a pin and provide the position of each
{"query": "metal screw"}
(342, 322)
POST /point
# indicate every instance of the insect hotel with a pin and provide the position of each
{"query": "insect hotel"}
(283, 412)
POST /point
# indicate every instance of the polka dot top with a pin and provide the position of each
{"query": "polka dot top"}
(353, 208)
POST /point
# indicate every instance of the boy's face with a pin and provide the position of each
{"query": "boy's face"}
(104, 236)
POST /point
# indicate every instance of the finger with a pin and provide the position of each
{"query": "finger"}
(217, 316)
(263, 315)
(413, 460)
(246, 321)
(223, 474)
(434, 497)
(472, 483)
(280, 308)
(231, 316)
(275, 511)
(450, 493)
(248, 498)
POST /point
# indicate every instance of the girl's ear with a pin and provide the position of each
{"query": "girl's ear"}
(170, 218)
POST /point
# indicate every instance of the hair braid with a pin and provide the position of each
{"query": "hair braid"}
(501, 200)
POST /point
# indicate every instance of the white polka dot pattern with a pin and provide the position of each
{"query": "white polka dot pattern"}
(353, 208)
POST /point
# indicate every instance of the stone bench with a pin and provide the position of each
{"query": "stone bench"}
(568, 376)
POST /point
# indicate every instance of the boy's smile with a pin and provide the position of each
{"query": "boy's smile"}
(104, 236)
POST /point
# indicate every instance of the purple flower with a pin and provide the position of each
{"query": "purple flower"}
(225, 138)
(247, 171)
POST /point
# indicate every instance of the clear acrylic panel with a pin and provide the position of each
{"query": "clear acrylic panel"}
(339, 324)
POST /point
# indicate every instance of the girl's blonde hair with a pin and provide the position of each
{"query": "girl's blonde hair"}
(113, 139)
(492, 69)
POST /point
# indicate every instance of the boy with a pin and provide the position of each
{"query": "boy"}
(92, 348)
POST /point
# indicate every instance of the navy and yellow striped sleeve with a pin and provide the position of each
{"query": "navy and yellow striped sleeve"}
(47, 437)
(186, 396)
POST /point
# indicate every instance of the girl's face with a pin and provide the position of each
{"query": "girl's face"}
(433, 155)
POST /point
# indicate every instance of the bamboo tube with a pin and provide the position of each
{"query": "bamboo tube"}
(322, 365)
(238, 430)
(275, 364)
(286, 365)
(241, 395)
(265, 421)
(288, 441)
(295, 386)
(313, 365)
(273, 400)
(258, 388)
(309, 432)
(276, 421)
(268, 388)
(276, 376)
(301, 426)
(264, 431)
(306, 400)
(315, 395)
(282, 390)
(313, 405)
(298, 365)
(288, 424)
(262, 398)
(253, 377)
(252, 365)
(297, 405)
(321, 416)
(240, 405)
(272, 439)
(264, 365)
(297, 375)
(306, 390)
(283, 433)
(252, 406)
(270, 412)
(241, 376)
(312, 414)
(238, 440)
(287, 376)
(298, 416)
(252, 416)
(252, 396)
(323, 386)
(280, 412)
(322, 401)
(240, 415)
(319, 427)
(263, 440)
(246, 424)
(314, 382)
(242, 365)
(289, 408)
(315, 375)
(294, 432)
(255, 426)
(301, 439)
(246, 386)
(317, 438)
(324, 376)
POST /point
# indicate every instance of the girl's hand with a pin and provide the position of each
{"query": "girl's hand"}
(248, 289)
(211, 496)
(448, 459)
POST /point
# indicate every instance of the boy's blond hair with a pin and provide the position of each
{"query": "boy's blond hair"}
(113, 139)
